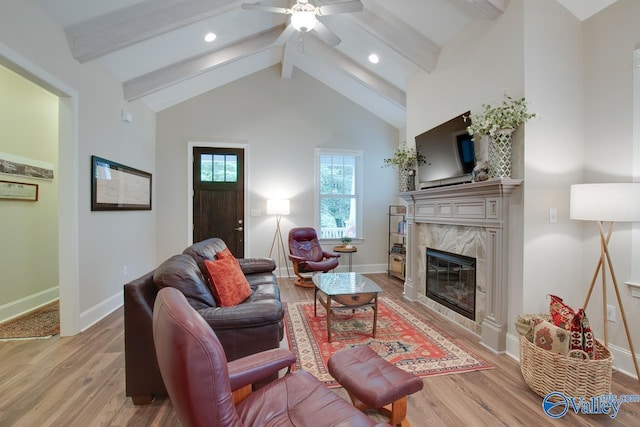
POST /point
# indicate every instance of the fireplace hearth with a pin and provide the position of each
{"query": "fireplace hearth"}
(451, 281)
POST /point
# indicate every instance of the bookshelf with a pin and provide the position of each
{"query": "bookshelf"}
(396, 259)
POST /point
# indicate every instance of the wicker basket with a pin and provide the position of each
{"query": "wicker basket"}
(546, 372)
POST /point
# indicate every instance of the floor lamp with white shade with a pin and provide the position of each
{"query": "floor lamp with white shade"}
(610, 202)
(279, 207)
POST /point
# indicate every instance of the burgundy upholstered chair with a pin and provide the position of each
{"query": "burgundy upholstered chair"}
(200, 382)
(307, 255)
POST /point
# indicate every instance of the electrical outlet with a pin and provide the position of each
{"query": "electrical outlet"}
(125, 270)
(611, 313)
(553, 215)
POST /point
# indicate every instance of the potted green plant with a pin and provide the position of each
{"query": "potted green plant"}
(405, 160)
(346, 241)
(509, 115)
(498, 123)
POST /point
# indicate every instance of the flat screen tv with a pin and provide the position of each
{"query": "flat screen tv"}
(449, 152)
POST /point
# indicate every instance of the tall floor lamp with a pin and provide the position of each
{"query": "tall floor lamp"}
(279, 207)
(613, 202)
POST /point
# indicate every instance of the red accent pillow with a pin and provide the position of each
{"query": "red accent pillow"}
(576, 322)
(225, 253)
(228, 281)
(561, 313)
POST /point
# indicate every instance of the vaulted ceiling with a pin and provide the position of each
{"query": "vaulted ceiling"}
(157, 48)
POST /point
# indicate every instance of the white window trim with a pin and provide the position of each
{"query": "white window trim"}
(359, 154)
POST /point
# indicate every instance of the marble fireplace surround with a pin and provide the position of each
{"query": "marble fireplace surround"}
(472, 220)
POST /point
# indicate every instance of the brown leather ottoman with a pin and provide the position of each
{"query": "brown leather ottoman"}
(374, 383)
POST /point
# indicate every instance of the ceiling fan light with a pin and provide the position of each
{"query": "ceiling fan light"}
(303, 21)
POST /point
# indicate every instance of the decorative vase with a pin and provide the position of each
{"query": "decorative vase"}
(411, 180)
(500, 154)
(403, 179)
(481, 147)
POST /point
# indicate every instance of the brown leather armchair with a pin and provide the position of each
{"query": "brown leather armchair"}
(200, 382)
(307, 255)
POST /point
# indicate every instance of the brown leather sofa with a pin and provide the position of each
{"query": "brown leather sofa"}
(253, 326)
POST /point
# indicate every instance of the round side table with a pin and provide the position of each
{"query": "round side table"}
(346, 250)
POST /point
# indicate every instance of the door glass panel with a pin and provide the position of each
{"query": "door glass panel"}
(218, 168)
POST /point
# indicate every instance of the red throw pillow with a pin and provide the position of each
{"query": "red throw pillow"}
(228, 281)
(576, 322)
(561, 313)
(581, 335)
(225, 253)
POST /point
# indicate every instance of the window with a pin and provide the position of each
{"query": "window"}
(218, 168)
(339, 207)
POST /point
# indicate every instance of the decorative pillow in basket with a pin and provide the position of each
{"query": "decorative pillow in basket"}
(575, 322)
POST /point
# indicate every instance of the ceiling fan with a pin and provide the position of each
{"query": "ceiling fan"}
(304, 17)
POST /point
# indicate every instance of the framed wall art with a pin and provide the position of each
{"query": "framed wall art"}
(10, 190)
(118, 187)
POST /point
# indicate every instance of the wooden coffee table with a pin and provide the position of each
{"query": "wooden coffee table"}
(341, 291)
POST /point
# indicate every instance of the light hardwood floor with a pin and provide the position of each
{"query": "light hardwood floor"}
(79, 381)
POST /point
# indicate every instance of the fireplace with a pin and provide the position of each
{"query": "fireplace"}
(471, 220)
(451, 281)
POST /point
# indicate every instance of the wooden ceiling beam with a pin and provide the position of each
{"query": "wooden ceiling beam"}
(394, 33)
(492, 8)
(356, 71)
(105, 34)
(288, 58)
(164, 77)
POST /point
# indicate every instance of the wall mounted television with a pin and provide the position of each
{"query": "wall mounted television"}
(449, 152)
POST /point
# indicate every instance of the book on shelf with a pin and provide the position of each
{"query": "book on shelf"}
(402, 227)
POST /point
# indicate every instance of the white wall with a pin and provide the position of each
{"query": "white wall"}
(553, 152)
(610, 38)
(94, 245)
(282, 121)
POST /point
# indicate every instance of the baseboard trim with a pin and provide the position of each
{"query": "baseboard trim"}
(31, 302)
(622, 360)
(90, 317)
(513, 347)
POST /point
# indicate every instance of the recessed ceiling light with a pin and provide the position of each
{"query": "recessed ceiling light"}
(373, 58)
(209, 37)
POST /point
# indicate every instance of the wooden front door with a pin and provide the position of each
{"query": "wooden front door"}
(218, 196)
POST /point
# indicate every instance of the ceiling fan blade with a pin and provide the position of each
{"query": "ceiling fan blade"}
(261, 8)
(344, 7)
(326, 34)
(285, 35)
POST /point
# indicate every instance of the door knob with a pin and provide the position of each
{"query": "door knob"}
(238, 228)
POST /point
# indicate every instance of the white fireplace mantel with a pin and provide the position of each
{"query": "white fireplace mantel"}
(484, 206)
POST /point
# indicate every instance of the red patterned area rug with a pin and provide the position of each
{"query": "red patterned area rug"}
(402, 338)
